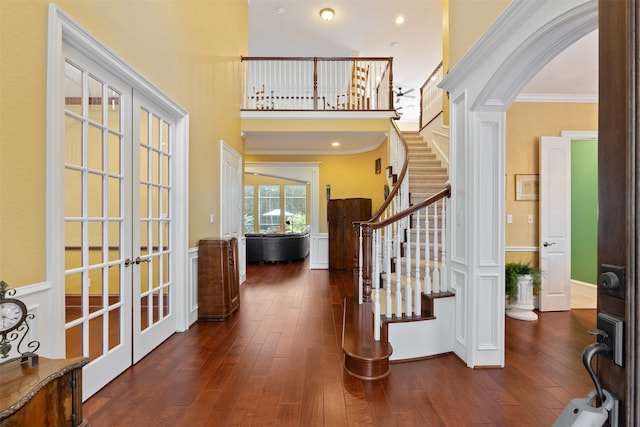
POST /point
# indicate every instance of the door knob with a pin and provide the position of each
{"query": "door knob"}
(140, 260)
(545, 244)
(127, 262)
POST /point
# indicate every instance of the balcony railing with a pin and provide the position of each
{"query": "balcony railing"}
(313, 83)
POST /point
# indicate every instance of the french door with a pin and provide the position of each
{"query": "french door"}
(119, 296)
(154, 317)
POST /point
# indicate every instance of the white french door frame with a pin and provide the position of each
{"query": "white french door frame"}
(65, 31)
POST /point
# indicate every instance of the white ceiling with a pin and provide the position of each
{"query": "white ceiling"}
(368, 28)
(307, 142)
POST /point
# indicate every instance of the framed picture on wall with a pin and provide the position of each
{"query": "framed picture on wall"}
(378, 165)
(526, 186)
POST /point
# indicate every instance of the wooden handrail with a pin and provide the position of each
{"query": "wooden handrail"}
(367, 228)
(401, 176)
(433, 73)
(446, 192)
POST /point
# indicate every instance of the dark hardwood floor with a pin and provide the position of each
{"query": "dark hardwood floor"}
(278, 362)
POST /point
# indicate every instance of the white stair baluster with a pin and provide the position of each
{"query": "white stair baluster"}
(427, 257)
(376, 283)
(398, 271)
(436, 270)
(387, 276)
(407, 289)
(417, 287)
(443, 269)
(375, 268)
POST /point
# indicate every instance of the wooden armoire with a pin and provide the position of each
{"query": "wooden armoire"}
(341, 213)
(218, 278)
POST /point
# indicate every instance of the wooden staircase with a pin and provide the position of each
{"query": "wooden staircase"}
(366, 358)
(427, 175)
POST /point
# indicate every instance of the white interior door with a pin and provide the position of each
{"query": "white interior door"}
(97, 220)
(231, 206)
(230, 193)
(555, 223)
(118, 222)
(154, 318)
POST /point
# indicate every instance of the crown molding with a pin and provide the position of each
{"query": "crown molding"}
(557, 97)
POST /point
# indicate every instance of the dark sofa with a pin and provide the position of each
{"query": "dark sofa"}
(277, 247)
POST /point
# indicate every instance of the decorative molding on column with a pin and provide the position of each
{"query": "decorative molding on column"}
(481, 87)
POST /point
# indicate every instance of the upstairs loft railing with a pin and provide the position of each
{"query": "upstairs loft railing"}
(317, 83)
(431, 97)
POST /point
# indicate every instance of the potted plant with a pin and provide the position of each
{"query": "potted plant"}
(521, 279)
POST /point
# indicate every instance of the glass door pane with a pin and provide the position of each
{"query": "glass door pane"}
(154, 319)
(94, 223)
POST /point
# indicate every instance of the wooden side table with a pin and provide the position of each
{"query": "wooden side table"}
(47, 394)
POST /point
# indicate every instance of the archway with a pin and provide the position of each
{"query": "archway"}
(481, 87)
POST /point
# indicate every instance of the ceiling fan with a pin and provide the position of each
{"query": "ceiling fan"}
(399, 93)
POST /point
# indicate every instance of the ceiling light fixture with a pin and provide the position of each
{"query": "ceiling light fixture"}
(327, 14)
(400, 20)
(335, 144)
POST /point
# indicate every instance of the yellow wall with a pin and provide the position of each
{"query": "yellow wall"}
(526, 122)
(190, 49)
(351, 175)
(463, 22)
(468, 20)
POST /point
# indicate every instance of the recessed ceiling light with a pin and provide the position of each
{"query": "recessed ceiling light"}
(400, 19)
(393, 44)
(279, 10)
(335, 144)
(327, 13)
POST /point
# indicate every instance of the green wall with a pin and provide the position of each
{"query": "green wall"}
(584, 211)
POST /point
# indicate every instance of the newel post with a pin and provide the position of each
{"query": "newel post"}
(367, 250)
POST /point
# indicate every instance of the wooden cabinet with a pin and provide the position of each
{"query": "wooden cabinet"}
(48, 394)
(341, 213)
(218, 278)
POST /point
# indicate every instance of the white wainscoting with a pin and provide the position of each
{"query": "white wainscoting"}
(37, 298)
(192, 285)
(319, 251)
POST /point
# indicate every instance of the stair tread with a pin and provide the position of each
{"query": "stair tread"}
(353, 340)
(403, 318)
(426, 313)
